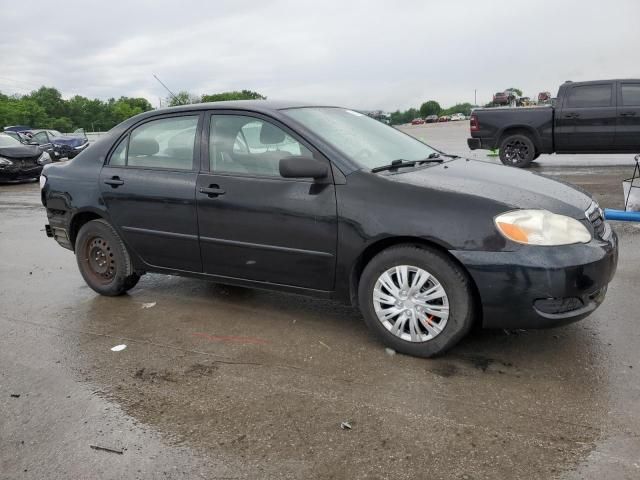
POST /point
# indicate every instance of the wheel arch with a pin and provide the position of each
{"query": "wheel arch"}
(376, 247)
(78, 220)
(523, 130)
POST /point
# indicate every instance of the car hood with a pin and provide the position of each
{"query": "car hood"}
(20, 151)
(513, 187)
(68, 140)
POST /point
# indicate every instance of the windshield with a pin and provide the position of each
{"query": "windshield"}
(55, 133)
(8, 141)
(364, 140)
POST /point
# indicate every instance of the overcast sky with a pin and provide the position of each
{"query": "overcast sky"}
(369, 54)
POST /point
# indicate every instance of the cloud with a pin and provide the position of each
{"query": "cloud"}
(363, 54)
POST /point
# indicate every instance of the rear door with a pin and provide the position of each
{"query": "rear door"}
(587, 118)
(255, 224)
(148, 186)
(628, 129)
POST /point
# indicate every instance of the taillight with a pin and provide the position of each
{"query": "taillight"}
(473, 123)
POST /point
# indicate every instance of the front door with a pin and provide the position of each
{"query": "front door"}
(628, 130)
(255, 224)
(586, 120)
(148, 186)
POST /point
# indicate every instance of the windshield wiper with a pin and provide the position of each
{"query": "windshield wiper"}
(432, 158)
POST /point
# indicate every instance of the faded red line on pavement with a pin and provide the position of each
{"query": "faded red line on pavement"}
(231, 339)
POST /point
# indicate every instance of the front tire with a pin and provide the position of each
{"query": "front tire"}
(103, 259)
(517, 150)
(416, 300)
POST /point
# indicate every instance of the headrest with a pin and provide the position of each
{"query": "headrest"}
(270, 135)
(143, 146)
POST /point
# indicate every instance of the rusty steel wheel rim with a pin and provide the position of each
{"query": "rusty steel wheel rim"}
(100, 260)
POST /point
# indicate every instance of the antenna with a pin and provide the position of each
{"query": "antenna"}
(167, 88)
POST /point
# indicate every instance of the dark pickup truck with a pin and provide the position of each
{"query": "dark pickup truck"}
(587, 117)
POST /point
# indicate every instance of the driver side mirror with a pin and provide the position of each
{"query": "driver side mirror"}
(303, 167)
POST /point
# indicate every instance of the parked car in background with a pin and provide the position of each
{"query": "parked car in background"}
(431, 119)
(59, 145)
(457, 117)
(329, 202)
(600, 116)
(443, 118)
(417, 121)
(19, 161)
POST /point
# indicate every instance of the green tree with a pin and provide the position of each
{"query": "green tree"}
(183, 98)
(430, 108)
(234, 95)
(464, 108)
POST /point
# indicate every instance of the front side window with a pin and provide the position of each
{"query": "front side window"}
(366, 141)
(164, 143)
(249, 145)
(586, 96)
(631, 94)
(41, 137)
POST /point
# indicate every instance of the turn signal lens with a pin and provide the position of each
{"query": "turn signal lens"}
(541, 227)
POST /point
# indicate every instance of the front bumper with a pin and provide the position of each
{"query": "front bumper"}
(538, 287)
(19, 173)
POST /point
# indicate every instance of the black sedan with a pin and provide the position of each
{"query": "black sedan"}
(328, 202)
(19, 161)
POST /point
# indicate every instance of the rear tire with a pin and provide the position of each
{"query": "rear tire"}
(517, 150)
(103, 259)
(436, 315)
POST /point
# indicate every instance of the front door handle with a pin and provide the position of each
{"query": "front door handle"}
(627, 114)
(212, 191)
(115, 182)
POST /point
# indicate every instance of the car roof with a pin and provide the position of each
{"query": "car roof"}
(255, 105)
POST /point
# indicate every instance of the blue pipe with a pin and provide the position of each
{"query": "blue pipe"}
(611, 214)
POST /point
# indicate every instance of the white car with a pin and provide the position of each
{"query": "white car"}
(458, 116)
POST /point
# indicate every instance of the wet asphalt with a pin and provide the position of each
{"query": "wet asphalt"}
(227, 382)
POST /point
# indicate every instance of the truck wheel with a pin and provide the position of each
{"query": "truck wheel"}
(517, 150)
(103, 259)
(416, 300)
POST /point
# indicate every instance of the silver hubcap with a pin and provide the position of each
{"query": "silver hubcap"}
(411, 303)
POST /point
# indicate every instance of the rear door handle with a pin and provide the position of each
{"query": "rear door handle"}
(115, 182)
(627, 114)
(572, 115)
(212, 191)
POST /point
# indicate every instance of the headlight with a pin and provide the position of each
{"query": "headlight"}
(5, 161)
(44, 158)
(540, 227)
(43, 181)
(57, 145)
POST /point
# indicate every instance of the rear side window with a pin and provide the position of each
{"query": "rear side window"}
(119, 155)
(164, 143)
(590, 96)
(631, 94)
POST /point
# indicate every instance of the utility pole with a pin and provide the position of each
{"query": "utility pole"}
(475, 96)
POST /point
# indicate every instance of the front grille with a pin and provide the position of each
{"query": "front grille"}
(596, 219)
(27, 162)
